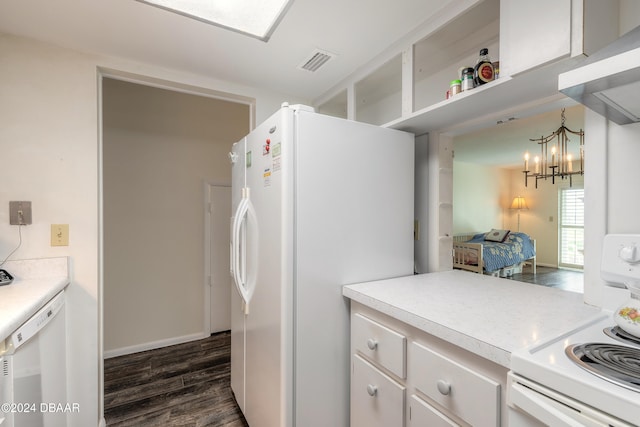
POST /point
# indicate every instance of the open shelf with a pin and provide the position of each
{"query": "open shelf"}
(486, 103)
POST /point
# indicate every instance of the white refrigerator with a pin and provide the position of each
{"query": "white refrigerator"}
(319, 202)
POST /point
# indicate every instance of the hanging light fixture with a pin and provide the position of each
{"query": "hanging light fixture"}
(560, 165)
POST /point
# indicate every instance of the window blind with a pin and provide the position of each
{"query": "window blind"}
(571, 227)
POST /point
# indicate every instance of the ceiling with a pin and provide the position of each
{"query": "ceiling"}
(355, 31)
(504, 145)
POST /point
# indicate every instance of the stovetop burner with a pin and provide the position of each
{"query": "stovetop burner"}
(614, 363)
(617, 333)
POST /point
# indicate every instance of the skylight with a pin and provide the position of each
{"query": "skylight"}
(257, 18)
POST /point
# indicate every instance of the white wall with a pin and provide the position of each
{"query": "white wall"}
(623, 150)
(49, 140)
(481, 197)
(611, 170)
(623, 176)
(611, 196)
(159, 147)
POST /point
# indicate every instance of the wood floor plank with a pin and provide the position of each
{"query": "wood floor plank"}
(568, 280)
(183, 385)
(138, 391)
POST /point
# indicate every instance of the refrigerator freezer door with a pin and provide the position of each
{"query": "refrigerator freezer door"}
(264, 338)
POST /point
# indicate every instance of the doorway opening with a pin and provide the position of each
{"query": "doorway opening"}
(158, 147)
(153, 162)
(487, 177)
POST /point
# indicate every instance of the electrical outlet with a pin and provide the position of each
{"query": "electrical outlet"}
(19, 213)
(59, 234)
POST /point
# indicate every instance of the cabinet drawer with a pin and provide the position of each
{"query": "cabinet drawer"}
(469, 395)
(376, 399)
(379, 343)
(421, 414)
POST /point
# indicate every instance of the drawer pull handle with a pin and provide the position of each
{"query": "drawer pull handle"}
(444, 387)
(372, 344)
(372, 390)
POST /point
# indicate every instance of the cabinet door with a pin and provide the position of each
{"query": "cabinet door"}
(376, 399)
(421, 414)
(533, 33)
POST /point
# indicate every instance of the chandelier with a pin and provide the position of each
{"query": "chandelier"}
(561, 163)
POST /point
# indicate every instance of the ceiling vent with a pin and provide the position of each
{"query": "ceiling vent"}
(316, 60)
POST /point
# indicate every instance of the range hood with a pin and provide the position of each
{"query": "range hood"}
(608, 82)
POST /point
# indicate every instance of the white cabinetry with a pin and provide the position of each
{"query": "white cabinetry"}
(533, 33)
(422, 415)
(377, 392)
(377, 400)
(404, 88)
(378, 96)
(380, 344)
(404, 377)
(537, 33)
(470, 395)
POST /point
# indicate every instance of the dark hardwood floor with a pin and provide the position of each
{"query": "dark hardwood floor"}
(569, 280)
(185, 385)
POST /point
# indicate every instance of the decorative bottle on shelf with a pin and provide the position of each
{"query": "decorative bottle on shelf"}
(483, 71)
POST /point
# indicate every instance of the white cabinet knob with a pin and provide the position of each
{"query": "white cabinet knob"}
(372, 344)
(444, 387)
(372, 390)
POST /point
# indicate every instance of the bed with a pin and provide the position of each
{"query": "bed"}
(494, 254)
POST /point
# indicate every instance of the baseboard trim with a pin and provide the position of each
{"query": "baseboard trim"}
(108, 354)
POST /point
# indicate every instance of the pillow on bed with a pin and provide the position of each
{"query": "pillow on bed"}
(496, 235)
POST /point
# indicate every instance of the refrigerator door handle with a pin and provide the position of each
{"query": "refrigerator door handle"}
(235, 243)
(244, 280)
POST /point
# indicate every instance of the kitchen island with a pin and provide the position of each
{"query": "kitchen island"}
(435, 348)
(35, 282)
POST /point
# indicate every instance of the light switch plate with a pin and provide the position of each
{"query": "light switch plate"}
(59, 234)
(19, 213)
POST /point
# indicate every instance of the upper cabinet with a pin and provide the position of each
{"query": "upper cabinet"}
(541, 32)
(439, 57)
(378, 96)
(533, 41)
(336, 106)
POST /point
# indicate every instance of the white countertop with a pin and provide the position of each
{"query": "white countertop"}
(489, 316)
(35, 282)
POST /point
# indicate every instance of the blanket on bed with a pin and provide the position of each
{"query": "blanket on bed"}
(515, 249)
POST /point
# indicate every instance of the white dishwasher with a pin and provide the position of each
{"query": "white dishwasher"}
(33, 375)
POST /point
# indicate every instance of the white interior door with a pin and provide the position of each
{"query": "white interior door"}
(218, 241)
